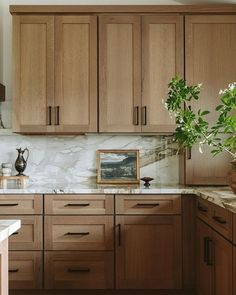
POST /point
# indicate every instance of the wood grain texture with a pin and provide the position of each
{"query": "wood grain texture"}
(98, 232)
(123, 8)
(119, 73)
(21, 204)
(155, 262)
(97, 266)
(162, 59)
(33, 72)
(76, 73)
(151, 204)
(210, 51)
(29, 265)
(79, 204)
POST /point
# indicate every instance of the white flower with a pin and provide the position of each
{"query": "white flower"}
(221, 91)
(200, 148)
(231, 86)
(199, 85)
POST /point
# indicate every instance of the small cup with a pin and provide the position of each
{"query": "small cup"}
(7, 165)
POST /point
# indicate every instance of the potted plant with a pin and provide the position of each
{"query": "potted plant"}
(192, 126)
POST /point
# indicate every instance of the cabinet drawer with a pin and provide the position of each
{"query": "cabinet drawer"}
(222, 221)
(25, 269)
(21, 204)
(203, 209)
(148, 204)
(29, 236)
(79, 204)
(78, 232)
(78, 270)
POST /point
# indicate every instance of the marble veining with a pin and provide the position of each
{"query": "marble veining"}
(72, 159)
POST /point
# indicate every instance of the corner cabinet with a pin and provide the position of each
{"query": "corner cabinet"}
(138, 55)
(54, 74)
(210, 60)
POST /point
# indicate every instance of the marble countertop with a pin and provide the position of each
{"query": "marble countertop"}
(221, 196)
(8, 227)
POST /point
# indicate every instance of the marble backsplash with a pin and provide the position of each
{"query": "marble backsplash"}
(72, 159)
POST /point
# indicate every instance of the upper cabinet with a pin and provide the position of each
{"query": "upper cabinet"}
(138, 55)
(54, 74)
(210, 59)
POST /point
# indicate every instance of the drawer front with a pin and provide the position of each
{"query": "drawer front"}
(29, 236)
(203, 209)
(25, 270)
(79, 204)
(21, 204)
(78, 232)
(86, 270)
(222, 221)
(148, 204)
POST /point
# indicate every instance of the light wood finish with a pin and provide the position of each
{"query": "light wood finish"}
(119, 73)
(78, 232)
(222, 8)
(25, 269)
(78, 270)
(149, 204)
(76, 73)
(234, 270)
(4, 267)
(222, 221)
(204, 273)
(189, 241)
(162, 59)
(223, 265)
(79, 204)
(149, 252)
(203, 209)
(210, 51)
(29, 236)
(21, 204)
(33, 72)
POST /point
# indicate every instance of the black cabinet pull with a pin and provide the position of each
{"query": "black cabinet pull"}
(57, 115)
(202, 209)
(13, 270)
(147, 205)
(79, 269)
(210, 252)
(15, 233)
(49, 116)
(136, 115)
(219, 219)
(7, 205)
(189, 153)
(77, 205)
(205, 257)
(77, 234)
(119, 235)
(144, 115)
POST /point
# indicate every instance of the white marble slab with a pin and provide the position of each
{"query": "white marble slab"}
(8, 227)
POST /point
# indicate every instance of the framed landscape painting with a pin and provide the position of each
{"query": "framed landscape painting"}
(118, 166)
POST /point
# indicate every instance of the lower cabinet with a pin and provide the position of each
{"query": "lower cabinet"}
(25, 269)
(148, 252)
(214, 262)
(78, 270)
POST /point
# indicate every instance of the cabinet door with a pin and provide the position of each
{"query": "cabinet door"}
(223, 265)
(149, 252)
(162, 59)
(75, 73)
(204, 268)
(210, 59)
(119, 73)
(33, 73)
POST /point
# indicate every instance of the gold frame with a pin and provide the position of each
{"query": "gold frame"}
(101, 181)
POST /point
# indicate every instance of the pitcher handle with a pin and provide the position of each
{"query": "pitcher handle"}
(26, 150)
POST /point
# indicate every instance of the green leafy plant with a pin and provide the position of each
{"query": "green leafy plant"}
(192, 126)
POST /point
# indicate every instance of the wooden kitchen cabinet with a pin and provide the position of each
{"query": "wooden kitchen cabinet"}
(155, 262)
(214, 262)
(54, 74)
(138, 57)
(210, 59)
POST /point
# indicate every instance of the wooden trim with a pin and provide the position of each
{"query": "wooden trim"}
(2, 92)
(122, 8)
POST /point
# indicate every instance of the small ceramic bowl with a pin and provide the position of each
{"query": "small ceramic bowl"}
(7, 165)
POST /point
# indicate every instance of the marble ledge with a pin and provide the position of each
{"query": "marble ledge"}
(8, 227)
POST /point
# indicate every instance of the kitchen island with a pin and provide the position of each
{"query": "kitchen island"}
(7, 228)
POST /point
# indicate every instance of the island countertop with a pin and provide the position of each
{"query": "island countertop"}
(8, 227)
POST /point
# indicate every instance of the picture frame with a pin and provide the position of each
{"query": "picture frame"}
(118, 166)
